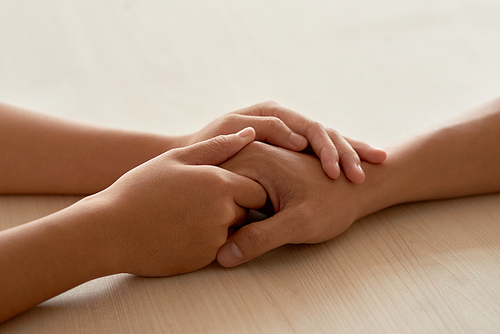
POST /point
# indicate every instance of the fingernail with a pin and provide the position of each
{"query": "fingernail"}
(297, 140)
(358, 166)
(229, 254)
(245, 132)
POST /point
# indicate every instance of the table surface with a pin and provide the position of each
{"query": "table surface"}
(378, 71)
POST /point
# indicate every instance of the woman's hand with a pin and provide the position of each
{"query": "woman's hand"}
(171, 214)
(283, 127)
(167, 216)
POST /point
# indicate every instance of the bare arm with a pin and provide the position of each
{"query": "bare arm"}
(43, 154)
(460, 158)
(168, 216)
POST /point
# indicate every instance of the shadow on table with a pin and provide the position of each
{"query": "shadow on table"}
(407, 258)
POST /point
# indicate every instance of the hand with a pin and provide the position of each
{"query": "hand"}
(309, 206)
(283, 127)
(171, 214)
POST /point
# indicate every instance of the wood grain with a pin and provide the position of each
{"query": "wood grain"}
(425, 267)
(373, 70)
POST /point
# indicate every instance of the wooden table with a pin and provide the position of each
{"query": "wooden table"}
(373, 70)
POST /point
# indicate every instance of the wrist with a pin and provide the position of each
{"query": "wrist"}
(380, 189)
(94, 228)
(49, 256)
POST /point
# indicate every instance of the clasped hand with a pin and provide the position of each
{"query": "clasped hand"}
(171, 214)
(175, 210)
(309, 206)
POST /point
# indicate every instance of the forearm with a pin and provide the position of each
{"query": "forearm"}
(42, 154)
(460, 158)
(44, 258)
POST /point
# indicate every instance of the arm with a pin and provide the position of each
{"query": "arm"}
(42, 154)
(165, 217)
(460, 158)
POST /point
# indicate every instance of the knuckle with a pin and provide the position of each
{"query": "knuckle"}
(269, 108)
(315, 126)
(304, 228)
(273, 122)
(175, 153)
(228, 122)
(220, 144)
(230, 118)
(219, 182)
(270, 104)
(318, 126)
(314, 129)
(332, 132)
(259, 236)
(349, 155)
(221, 140)
(257, 148)
(178, 155)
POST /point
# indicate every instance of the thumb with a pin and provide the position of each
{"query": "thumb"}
(253, 240)
(216, 150)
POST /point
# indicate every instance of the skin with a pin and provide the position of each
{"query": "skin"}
(43, 154)
(101, 232)
(160, 205)
(168, 216)
(459, 158)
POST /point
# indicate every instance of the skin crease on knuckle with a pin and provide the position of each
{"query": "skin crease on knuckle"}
(297, 230)
(259, 236)
(271, 108)
(231, 122)
(219, 147)
(273, 125)
(349, 156)
(314, 130)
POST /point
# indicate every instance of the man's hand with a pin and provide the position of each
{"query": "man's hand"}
(285, 128)
(310, 207)
(458, 158)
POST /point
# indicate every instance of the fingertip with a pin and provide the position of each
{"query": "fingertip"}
(330, 163)
(358, 176)
(380, 155)
(331, 170)
(229, 255)
(247, 133)
(372, 154)
(375, 156)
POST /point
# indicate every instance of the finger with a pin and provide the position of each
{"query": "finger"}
(240, 218)
(275, 132)
(349, 159)
(367, 152)
(253, 240)
(216, 150)
(246, 192)
(314, 132)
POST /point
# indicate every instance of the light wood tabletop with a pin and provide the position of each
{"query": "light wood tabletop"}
(377, 71)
